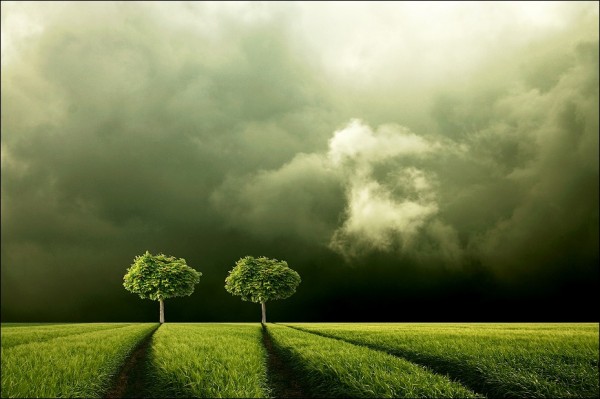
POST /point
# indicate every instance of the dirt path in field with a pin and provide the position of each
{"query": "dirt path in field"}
(282, 379)
(131, 381)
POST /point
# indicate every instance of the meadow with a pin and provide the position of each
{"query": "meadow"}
(335, 369)
(301, 360)
(500, 360)
(11, 335)
(207, 361)
(48, 364)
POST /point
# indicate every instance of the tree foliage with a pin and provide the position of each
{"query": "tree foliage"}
(261, 279)
(160, 276)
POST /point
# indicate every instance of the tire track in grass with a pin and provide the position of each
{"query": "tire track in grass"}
(436, 366)
(131, 381)
(280, 376)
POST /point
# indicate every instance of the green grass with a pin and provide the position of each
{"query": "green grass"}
(12, 335)
(364, 359)
(10, 324)
(500, 360)
(332, 368)
(208, 361)
(76, 365)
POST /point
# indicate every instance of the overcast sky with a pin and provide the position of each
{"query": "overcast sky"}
(393, 153)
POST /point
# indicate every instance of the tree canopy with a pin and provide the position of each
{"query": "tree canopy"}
(158, 277)
(262, 279)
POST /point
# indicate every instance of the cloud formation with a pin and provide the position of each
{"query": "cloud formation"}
(359, 143)
(377, 215)
(420, 143)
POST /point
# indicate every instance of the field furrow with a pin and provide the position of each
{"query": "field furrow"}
(347, 360)
(208, 361)
(132, 381)
(332, 368)
(283, 381)
(500, 360)
(81, 365)
(18, 335)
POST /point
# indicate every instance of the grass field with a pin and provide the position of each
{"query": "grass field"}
(13, 335)
(76, 365)
(313, 359)
(336, 369)
(500, 360)
(208, 361)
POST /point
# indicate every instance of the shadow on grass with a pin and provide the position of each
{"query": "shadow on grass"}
(471, 378)
(281, 377)
(131, 381)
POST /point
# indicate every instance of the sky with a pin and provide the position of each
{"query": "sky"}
(412, 161)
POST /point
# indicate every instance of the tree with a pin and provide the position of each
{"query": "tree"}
(159, 277)
(260, 280)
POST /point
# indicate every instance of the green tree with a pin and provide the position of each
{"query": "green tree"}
(260, 280)
(159, 277)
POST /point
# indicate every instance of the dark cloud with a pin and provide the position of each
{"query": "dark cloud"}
(211, 132)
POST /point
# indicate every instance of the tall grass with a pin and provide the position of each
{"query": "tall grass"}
(332, 368)
(81, 365)
(501, 360)
(12, 335)
(208, 361)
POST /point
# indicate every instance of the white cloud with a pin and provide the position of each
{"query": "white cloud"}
(386, 213)
(413, 44)
(17, 26)
(359, 141)
(377, 213)
(377, 220)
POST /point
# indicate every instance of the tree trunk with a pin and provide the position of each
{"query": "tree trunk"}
(264, 312)
(162, 311)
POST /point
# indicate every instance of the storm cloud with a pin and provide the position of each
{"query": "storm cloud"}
(446, 151)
